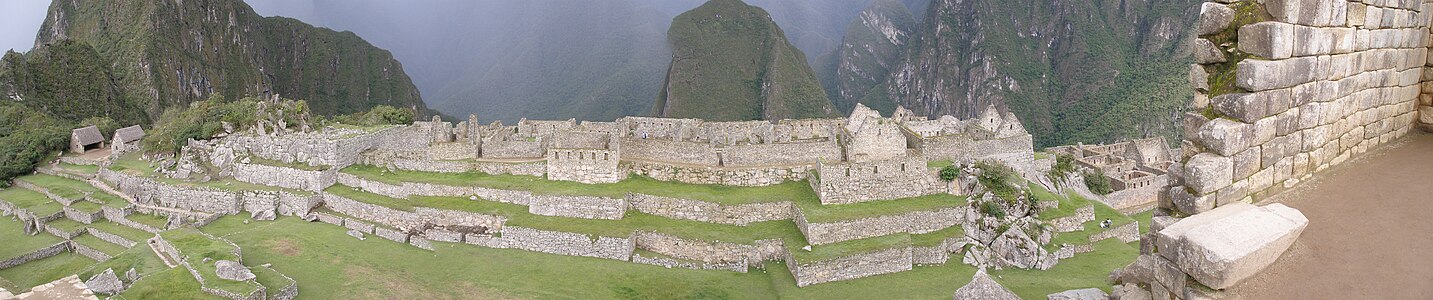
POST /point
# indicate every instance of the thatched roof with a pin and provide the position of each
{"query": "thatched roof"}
(128, 134)
(87, 136)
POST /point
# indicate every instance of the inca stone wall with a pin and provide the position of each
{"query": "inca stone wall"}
(513, 149)
(556, 242)
(112, 238)
(42, 253)
(92, 253)
(374, 213)
(843, 183)
(709, 252)
(1326, 80)
(684, 209)
(284, 177)
(1074, 222)
(152, 192)
(851, 267)
(547, 205)
(733, 176)
(668, 151)
(780, 154)
(911, 222)
(585, 165)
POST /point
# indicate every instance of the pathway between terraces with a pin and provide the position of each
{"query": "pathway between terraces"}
(1370, 233)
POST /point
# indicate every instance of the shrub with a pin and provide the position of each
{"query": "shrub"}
(201, 120)
(949, 173)
(1064, 166)
(992, 209)
(999, 179)
(27, 138)
(379, 115)
(1097, 182)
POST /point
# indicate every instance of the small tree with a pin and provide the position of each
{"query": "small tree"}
(949, 173)
(1097, 182)
(1064, 166)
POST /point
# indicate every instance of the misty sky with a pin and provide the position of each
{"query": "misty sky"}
(19, 20)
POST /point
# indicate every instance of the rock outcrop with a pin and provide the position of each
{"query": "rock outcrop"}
(982, 287)
(232, 270)
(105, 283)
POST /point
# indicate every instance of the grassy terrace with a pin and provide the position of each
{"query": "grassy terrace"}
(936, 237)
(847, 248)
(270, 279)
(73, 189)
(45, 270)
(634, 221)
(728, 195)
(147, 219)
(127, 232)
(329, 264)
(82, 169)
(196, 247)
(1102, 212)
(66, 224)
(817, 213)
(1067, 206)
(101, 245)
(17, 243)
(33, 201)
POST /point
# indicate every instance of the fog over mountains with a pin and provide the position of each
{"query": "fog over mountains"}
(546, 59)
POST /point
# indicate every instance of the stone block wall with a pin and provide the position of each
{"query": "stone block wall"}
(284, 177)
(112, 238)
(939, 253)
(843, 183)
(80, 216)
(91, 253)
(41, 253)
(513, 149)
(374, 213)
(850, 267)
(733, 176)
(1074, 222)
(1425, 100)
(780, 154)
(965, 148)
(584, 165)
(446, 218)
(708, 251)
(1326, 80)
(547, 205)
(915, 222)
(684, 209)
(157, 193)
(672, 152)
(561, 243)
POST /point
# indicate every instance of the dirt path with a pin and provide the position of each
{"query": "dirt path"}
(1370, 233)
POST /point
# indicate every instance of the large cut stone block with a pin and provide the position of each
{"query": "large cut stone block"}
(1222, 247)
(1225, 137)
(1208, 172)
(1213, 18)
(1271, 40)
(1262, 75)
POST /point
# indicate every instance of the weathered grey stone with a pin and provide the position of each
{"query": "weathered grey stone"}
(232, 270)
(1213, 18)
(1080, 294)
(356, 234)
(1225, 137)
(1248, 108)
(1199, 78)
(1208, 172)
(1205, 52)
(1356, 13)
(1246, 163)
(1188, 203)
(1271, 40)
(982, 287)
(1130, 291)
(1263, 75)
(1221, 247)
(105, 283)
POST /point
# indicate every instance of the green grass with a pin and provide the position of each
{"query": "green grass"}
(155, 221)
(294, 165)
(270, 279)
(136, 235)
(817, 213)
(936, 237)
(66, 225)
(86, 206)
(140, 258)
(1145, 219)
(1042, 155)
(847, 248)
(24, 198)
(82, 169)
(74, 189)
(194, 245)
(1102, 212)
(939, 163)
(37, 272)
(17, 243)
(101, 245)
(173, 283)
(1066, 208)
(727, 195)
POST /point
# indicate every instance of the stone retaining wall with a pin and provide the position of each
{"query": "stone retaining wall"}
(92, 253)
(672, 263)
(1125, 233)
(111, 238)
(284, 177)
(732, 176)
(781, 154)
(68, 235)
(1074, 222)
(845, 183)
(851, 267)
(41, 253)
(546, 205)
(940, 253)
(149, 191)
(392, 235)
(912, 222)
(373, 213)
(683, 209)
(708, 252)
(118, 215)
(80, 216)
(562, 243)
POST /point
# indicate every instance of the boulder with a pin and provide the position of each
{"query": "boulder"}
(105, 283)
(232, 270)
(1130, 291)
(1080, 294)
(982, 287)
(1223, 246)
(1213, 18)
(1016, 249)
(263, 215)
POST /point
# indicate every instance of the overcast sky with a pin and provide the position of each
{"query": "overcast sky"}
(19, 20)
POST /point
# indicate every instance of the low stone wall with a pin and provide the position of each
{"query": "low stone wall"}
(781, 154)
(152, 192)
(845, 183)
(390, 234)
(373, 213)
(1074, 222)
(708, 252)
(578, 207)
(412, 161)
(80, 216)
(672, 263)
(1133, 199)
(111, 238)
(547, 205)
(288, 292)
(513, 149)
(671, 152)
(912, 222)
(703, 211)
(92, 253)
(1125, 233)
(940, 253)
(447, 218)
(284, 177)
(562, 243)
(850, 267)
(733, 176)
(442, 235)
(118, 215)
(42, 253)
(68, 235)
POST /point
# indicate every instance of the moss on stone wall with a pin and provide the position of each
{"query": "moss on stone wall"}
(1222, 75)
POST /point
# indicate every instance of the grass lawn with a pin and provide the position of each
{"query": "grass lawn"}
(1085, 270)
(136, 235)
(98, 244)
(17, 243)
(24, 198)
(847, 248)
(939, 163)
(270, 279)
(151, 220)
(1145, 219)
(37, 272)
(174, 283)
(727, 195)
(194, 245)
(1066, 208)
(1102, 212)
(82, 169)
(86, 206)
(66, 225)
(73, 189)
(817, 213)
(936, 237)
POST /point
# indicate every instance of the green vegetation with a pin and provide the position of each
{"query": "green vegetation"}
(82, 169)
(24, 198)
(1000, 180)
(133, 165)
(126, 232)
(1222, 75)
(1097, 182)
(199, 121)
(66, 225)
(1064, 166)
(936, 237)
(18, 243)
(1145, 219)
(378, 116)
(193, 244)
(732, 62)
(949, 173)
(151, 220)
(292, 165)
(1085, 270)
(172, 283)
(101, 245)
(27, 137)
(75, 189)
(45, 270)
(1102, 212)
(817, 213)
(727, 195)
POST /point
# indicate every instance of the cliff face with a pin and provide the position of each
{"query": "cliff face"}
(731, 62)
(68, 80)
(1071, 70)
(874, 43)
(168, 53)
